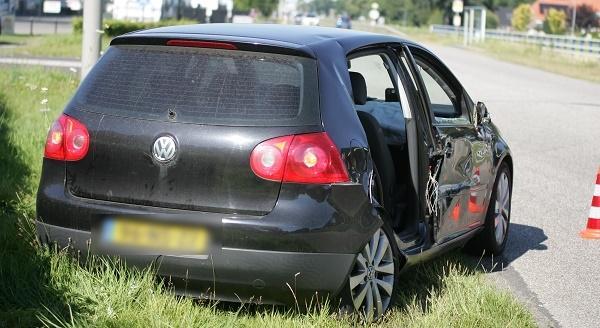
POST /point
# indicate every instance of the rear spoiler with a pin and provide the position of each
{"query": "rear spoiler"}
(214, 41)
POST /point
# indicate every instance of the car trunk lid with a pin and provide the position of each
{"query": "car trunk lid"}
(215, 105)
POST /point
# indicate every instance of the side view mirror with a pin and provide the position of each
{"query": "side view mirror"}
(482, 113)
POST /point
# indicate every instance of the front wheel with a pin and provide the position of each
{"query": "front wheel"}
(492, 239)
(373, 279)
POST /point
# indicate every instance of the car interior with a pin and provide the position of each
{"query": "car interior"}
(380, 113)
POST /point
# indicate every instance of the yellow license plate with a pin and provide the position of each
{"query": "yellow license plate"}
(161, 237)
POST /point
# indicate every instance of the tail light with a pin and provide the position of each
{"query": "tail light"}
(68, 140)
(303, 158)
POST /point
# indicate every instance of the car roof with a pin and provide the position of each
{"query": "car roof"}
(296, 37)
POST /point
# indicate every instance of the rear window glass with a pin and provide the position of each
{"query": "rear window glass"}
(206, 86)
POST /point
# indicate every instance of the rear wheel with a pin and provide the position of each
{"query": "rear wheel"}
(373, 278)
(372, 281)
(492, 238)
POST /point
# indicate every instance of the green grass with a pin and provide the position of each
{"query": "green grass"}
(55, 45)
(47, 287)
(545, 59)
(586, 68)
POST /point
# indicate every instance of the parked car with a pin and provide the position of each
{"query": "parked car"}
(274, 163)
(310, 19)
(344, 22)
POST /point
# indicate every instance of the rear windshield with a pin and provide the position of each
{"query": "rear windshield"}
(206, 86)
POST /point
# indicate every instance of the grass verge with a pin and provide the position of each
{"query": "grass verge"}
(47, 46)
(576, 66)
(46, 287)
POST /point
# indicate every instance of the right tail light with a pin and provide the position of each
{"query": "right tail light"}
(304, 158)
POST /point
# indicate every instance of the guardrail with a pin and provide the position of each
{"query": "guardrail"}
(33, 25)
(566, 43)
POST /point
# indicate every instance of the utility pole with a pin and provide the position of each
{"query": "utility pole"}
(574, 17)
(92, 25)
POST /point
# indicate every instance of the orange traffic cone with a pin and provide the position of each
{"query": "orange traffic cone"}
(592, 230)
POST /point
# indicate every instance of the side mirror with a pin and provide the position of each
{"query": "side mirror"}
(482, 113)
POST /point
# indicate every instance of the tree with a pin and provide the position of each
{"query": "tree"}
(555, 22)
(521, 17)
(436, 17)
(354, 8)
(585, 17)
(266, 7)
(491, 20)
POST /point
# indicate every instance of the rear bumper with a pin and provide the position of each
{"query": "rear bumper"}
(308, 241)
(271, 277)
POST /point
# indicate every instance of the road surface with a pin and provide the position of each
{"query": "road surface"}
(552, 124)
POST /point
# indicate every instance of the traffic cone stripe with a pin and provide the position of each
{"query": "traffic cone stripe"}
(593, 224)
(592, 229)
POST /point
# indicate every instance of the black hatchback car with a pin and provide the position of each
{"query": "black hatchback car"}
(268, 163)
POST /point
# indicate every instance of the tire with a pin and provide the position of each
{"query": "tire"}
(372, 284)
(492, 239)
(371, 287)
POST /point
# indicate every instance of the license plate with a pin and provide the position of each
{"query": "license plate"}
(161, 237)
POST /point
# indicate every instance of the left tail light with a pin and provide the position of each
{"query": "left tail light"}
(68, 140)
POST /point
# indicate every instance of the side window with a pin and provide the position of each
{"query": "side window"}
(382, 100)
(375, 71)
(444, 103)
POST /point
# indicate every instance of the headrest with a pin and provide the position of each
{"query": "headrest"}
(359, 88)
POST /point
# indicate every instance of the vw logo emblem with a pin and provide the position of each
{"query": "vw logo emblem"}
(164, 149)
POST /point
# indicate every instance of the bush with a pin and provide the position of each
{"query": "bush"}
(77, 24)
(113, 27)
(555, 22)
(521, 17)
(436, 17)
(491, 20)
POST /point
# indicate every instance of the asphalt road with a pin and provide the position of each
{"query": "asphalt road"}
(552, 124)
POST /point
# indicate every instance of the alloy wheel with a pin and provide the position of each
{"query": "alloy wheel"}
(372, 278)
(502, 208)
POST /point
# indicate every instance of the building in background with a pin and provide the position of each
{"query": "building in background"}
(214, 11)
(541, 7)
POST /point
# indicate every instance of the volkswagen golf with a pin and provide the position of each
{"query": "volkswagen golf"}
(271, 163)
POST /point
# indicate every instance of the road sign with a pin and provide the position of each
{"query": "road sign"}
(51, 7)
(456, 20)
(374, 14)
(457, 6)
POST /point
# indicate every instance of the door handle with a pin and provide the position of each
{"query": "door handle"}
(448, 149)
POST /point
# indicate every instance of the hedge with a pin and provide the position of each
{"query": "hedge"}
(113, 27)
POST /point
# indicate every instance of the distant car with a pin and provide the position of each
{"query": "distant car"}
(343, 22)
(310, 19)
(274, 163)
(298, 19)
(242, 19)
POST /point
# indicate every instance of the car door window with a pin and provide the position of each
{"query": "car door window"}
(445, 103)
(382, 96)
